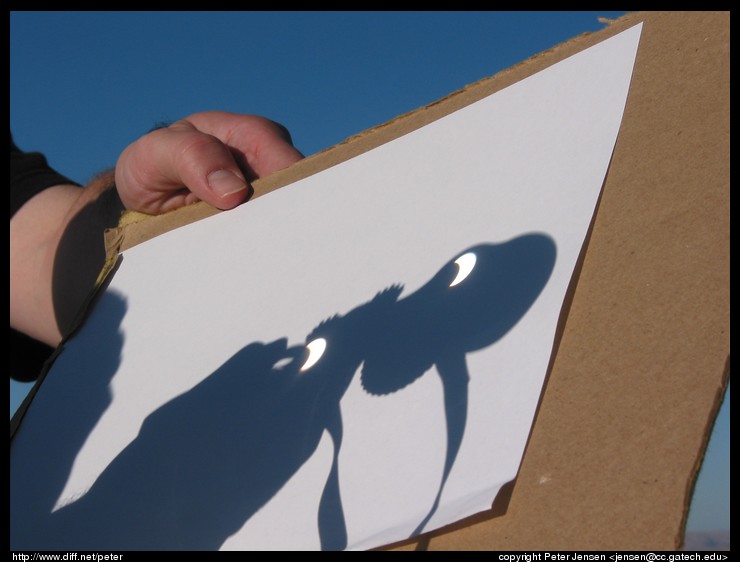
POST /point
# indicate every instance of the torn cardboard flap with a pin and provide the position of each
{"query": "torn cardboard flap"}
(643, 354)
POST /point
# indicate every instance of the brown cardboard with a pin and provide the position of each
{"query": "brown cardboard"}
(641, 359)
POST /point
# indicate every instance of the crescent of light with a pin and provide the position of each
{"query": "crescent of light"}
(315, 351)
(465, 265)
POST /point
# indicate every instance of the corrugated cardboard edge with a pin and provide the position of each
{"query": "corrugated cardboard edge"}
(643, 358)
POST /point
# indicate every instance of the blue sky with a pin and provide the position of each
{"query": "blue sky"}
(84, 85)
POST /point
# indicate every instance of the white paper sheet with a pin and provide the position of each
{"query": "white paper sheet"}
(201, 332)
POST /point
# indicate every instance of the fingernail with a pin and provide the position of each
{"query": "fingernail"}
(224, 182)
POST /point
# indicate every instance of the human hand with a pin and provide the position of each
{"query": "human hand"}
(56, 237)
(210, 156)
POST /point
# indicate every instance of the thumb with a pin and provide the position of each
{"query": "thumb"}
(176, 166)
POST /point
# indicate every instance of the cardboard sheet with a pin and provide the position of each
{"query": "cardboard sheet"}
(641, 355)
(435, 324)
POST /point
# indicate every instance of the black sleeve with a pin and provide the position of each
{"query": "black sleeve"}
(29, 174)
(27, 356)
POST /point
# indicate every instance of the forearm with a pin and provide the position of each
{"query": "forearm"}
(57, 247)
(56, 253)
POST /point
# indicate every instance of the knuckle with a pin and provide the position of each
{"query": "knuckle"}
(262, 127)
(194, 148)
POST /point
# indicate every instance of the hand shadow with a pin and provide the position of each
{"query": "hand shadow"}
(66, 408)
(204, 463)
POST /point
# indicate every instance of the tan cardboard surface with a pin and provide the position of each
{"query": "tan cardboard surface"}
(642, 357)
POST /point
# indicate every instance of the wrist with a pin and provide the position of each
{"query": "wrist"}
(81, 253)
(102, 189)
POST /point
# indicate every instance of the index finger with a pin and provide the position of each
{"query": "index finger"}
(261, 146)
